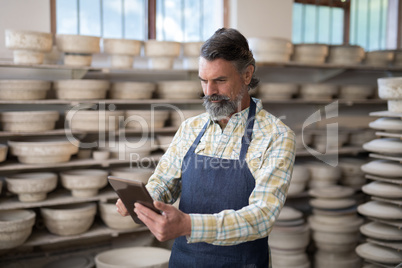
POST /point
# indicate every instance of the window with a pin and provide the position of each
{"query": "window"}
(176, 20)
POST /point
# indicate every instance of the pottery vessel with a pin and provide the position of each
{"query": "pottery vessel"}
(100, 155)
(285, 260)
(383, 168)
(132, 90)
(23, 89)
(318, 91)
(131, 148)
(379, 58)
(94, 120)
(15, 227)
(395, 106)
(66, 220)
(145, 119)
(192, 49)
(290, 238)
(161, 54)
(383, 189)
(84, 89)
(179, 89)
(325, 259)
(310, 53)
(32, 187)
(78, 49)
(139, 174)
(277, 91)
(113, 219)
(29, 121)
(381, 210)
(390, 88)
(379, 254)
(347, 55)
(384, 146)
(84, 182)
(387, 124)
(355, 92)
(122, 51)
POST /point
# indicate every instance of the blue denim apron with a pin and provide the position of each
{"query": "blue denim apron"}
(210, 185)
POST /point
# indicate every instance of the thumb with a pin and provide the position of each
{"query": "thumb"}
(160, 205)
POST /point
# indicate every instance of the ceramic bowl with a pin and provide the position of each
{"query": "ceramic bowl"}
(335, 248)
(191, 63)
(336, 238)
(15, 227)
(301, 173)
(122, 51)
(139, 174)
(332, 192)
(318, 91)
(28, 46)
(381, 210)
(395, 106)
(132, 90)
(358, 138)
(145, 119)
(100, 155)
(384, 146)
(379, 57)
(381, 231)
(383, 189)
(82, 120)
(311, 49)
(324, 172)
(113, 219)
(43, 150)
(164, 141)
(270, 44)
(333, 203)
(84, 182)
(290, 260)
(387, 124)
(84, 89)
(289, 238)
(296, 188)
(192, 49)
(271, 56)
(23, 89)
(179, 116)
(84, 153)
(67, 220)
(352, 225)
(383, 168)
(80, 44)
(32, 187)
(389, 88)
(288, 213)
(379, 254)
(29, 121)
(334, 260)
(155, 48)
(141, 257)
(355, 92)
(131, 148)
(179, 89)
(277, 91)
(3, 152)
(161, 63)
(350, 51)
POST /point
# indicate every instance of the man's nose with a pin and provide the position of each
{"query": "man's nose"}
(211, 89)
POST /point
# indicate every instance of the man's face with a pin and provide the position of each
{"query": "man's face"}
(223, 87)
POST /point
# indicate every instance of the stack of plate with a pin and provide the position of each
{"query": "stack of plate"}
(310, 53)
(390, 89)
(300, 179)
(323, 175)
(335, 226)
(379, 58)
(271, 49)
(289, 239)
(346, 55)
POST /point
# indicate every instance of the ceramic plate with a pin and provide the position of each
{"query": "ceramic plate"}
(332, 203)
(335, 191)
(379, 254)
(385, 145)
(390, 124)
(385, 168)
(380, 210)
(381, 231)
(383, 189)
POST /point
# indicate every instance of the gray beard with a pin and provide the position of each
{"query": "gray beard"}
(221, 110)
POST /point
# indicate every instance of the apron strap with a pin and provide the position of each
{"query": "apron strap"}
(248, 132)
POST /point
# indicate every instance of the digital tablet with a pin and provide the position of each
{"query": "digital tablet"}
(130, 192)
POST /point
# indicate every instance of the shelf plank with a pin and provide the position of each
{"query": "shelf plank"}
(386, 157)
(389, 180)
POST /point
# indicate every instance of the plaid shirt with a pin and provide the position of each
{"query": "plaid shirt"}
(270, 159)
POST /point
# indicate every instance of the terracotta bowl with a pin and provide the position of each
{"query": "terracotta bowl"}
(29, 121)
(177, 117)
(141, 257)
(66, 220)
(181, 89)
(145, 119)
(139, 174)
(132, 90)
(113, 219)
(23, 89)
(94, 120)
(44, 150)
(3, 152)
(32, 187)
(85, 89)
(15, 227)
(84, 182)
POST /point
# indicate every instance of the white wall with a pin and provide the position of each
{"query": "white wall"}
(262, 18)
(33, 15)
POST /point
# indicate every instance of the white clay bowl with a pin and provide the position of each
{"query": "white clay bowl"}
(311, 49)
(29, 121)
(332, 192)
(324, 172)
(387, 124)
(278, 91)
(288, 213)
(44, 150)
(122, 46)
(154, 48)
(270, 44)
(100, 155)
(15, 227)
(323, 203)
(139, 174)
(94, 120)
(132, 90)
(336, 238)
(3, 154)
(180, 89)
(296, 188)
(383, 168)
(390, 88)
(32, 187)
(395, 106)
(381, 231)
(113, 219)
(271, 56)
(139, 257)
(290, 260)
(80, 44)
(379, 57)
(380, 210)
(318, 91)
(346, 51)
(336, 259)
(72, 219)
(379, 254)
(132, 148)
(192, 49)
(290, 238)
(178, 116)
(23, 89)
(335, 248)
(84, 182)
(352, 225)
(384, 145)
(164, 141)
(383, 189)
(28, 46)
(355, 92)
(81, 89)
(145, 119)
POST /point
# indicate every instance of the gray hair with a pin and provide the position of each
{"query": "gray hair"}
(229, 44)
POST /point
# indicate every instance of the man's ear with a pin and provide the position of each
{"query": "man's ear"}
(248, 74)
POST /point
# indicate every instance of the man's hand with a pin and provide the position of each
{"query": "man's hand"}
(171, 224)
(121, 208)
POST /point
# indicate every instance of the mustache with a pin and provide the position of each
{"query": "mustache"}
(215, 97)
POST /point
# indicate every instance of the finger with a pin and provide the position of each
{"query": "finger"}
(145, 211)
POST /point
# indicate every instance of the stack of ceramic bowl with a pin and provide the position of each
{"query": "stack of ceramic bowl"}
(271, 49)
(289, 239)
(355, 92)
(87, 89)
(178, 116)
(345, 55)
(44, 150)
(80, 120)
(133, 173)
(335, 226)
(113, 219)
(29, 121)
(379, 58)
(191, 54)
(390, 89)
(78, 49)
(310, 53)
(277, 91)
(131, 148)
(323, 175)
(23, 89)
(132, 90)
(28, 47)
(161, 54)
(145, 120)
(84, 182)
(352, 175)
(67, 220)
(122, 51)
(15, 227)
(32, 187)
(164, 141)
(300, 179)
(181, 89)
(318, 91)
